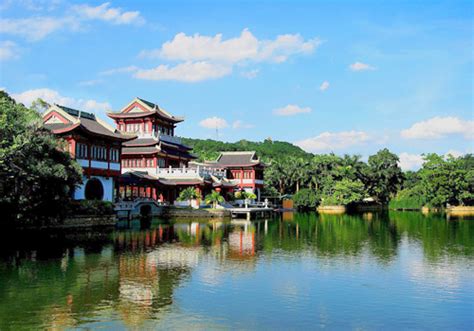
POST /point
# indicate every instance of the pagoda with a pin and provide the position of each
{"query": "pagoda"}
(149, 161)
(94, 144)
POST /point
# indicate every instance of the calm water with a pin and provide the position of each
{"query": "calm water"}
(302, 271)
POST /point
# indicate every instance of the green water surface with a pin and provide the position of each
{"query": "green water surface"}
(400, 270)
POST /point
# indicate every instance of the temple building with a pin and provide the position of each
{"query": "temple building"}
(94, 144)
(156, 163)
(242, 169)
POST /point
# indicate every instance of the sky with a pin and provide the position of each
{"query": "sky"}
(329, 76)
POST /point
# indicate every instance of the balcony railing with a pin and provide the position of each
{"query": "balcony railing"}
(157, 135)
(182, 172)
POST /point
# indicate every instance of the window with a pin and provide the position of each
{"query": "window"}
(81, 151)
(114, 155)
(99, 153)
(161, 163)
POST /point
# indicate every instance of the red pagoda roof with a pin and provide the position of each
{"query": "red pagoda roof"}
(60, 119)
(141, 108)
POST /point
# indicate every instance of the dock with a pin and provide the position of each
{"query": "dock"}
(250, 211)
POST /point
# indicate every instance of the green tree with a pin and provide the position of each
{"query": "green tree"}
(214, 198)
(36, 175)
(306, 199)
(384, 177)
(344, 192)
(447, 180)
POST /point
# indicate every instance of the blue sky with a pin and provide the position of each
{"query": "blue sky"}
(342, 76)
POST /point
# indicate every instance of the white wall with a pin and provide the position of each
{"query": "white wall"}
(107, 183)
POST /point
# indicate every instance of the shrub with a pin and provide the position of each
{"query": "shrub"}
(407, 199)
(91, 207)
(214, 198)
(245, 195)
(189, 193)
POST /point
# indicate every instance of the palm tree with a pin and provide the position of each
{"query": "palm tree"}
(214, 198)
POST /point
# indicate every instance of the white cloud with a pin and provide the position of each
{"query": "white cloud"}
(242, 125)
(233, 50)
(359, 66)
(36, 28)
(291, 110)
(33, 5)
(251, 74)
(8, 50)
(185, 72)
(52, 96)
(109, 14)
(214, 123)
(439, 127)
(120, 70)
(328, 141)
(324, 86)
(410, 161)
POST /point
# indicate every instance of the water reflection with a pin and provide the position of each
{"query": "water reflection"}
(131, 277)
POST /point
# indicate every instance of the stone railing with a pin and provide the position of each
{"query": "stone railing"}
(202, 172)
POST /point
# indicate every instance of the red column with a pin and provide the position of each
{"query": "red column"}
(73, 148)
(253, 178)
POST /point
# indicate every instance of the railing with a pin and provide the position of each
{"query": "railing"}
(246, 181)
(189, 172)
(156, 135)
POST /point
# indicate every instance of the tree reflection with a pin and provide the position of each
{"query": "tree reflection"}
(66, 280)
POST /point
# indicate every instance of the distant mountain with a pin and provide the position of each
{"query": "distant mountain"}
(209, 149)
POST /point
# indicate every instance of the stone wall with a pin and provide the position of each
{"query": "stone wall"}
(195, 213)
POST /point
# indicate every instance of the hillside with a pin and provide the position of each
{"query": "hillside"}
(209, 149)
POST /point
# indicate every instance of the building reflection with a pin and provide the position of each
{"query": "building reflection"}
(134, 274)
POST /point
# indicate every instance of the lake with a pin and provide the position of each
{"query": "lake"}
(398, 270)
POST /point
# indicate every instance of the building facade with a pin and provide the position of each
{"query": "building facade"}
(243, 169)
(95, 145)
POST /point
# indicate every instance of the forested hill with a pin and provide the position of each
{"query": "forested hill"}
(209, 149)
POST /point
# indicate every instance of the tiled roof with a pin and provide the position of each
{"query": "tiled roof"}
(56, 126)
(172, 144)
(97, 128)
(140, 150)
(88, 122)
(141, 142)
(152, 109)
(148, 103)
(76, 113)
(177, 152)
(237, 158)
(181, 181)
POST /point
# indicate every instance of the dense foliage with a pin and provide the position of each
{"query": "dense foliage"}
(91, 207)
(267, 150)
(343, 192)
(36, 175)
(440, 182)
